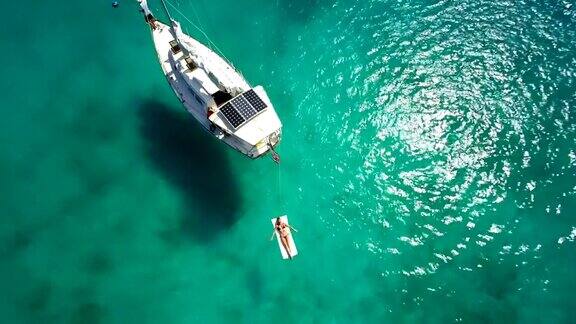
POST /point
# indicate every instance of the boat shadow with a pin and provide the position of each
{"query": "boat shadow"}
(195, 163)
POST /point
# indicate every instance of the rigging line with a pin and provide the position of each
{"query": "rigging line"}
(166, 11)
(186, 28)
(201, 31)
(279, 188)
(201, 25)
(210, 43)
(196, 15)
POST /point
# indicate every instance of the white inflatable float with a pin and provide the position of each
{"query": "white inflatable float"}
(291, 243)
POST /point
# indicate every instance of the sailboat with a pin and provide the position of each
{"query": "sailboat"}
(213, 91)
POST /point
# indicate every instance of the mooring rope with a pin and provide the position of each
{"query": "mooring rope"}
(279, 188)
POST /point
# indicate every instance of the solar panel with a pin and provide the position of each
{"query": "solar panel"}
(232, 115)
(254, 100)
(243, 107)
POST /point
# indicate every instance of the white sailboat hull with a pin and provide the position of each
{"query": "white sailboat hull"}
(194, 88)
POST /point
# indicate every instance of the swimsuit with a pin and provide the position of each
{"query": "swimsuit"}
(283, 230)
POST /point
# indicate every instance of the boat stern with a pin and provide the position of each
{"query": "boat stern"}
(250, 121)
(266, 144)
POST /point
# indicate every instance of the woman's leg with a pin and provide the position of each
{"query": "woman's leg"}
(284, 241)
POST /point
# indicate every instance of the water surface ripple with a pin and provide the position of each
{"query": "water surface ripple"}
(452, 139)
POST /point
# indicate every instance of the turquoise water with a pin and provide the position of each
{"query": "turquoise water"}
(429, 159)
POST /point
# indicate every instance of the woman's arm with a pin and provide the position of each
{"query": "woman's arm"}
(273, 233)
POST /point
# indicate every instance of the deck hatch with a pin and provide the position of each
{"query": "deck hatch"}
(174, 46)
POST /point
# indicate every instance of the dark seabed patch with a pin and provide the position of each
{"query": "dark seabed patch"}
(196, 165)
(99, 263)
(39, 297)
(256, 285)
(15, 243)
(87, 313)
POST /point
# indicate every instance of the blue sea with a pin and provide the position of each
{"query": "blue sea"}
(428, 163)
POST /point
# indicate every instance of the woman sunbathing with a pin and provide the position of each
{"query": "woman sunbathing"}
(283, 230)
